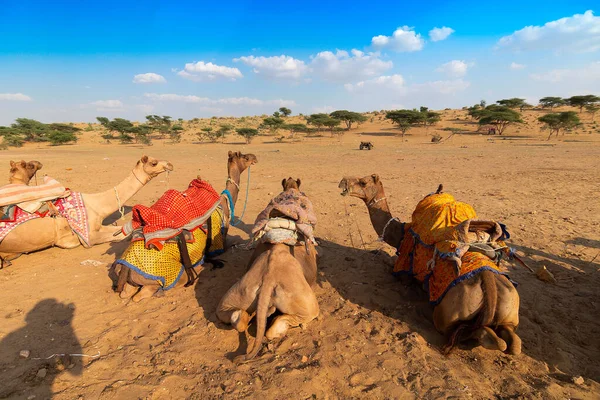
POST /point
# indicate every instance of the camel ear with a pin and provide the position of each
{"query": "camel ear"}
(23, 164)
(12, 164)
(238, 154)
(144, 159)
(298, 181)
(375, 178)
(230, 154)
(283, 183)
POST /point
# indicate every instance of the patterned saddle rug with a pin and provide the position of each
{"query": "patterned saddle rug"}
(165, 265)
(445, 244)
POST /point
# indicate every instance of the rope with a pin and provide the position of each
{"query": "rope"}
(245, 203)
(380, 238)
(63, 355)
(121, 209)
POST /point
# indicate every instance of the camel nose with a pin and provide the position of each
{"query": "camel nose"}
(169, 167)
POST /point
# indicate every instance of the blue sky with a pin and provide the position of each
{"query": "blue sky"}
(73, 61)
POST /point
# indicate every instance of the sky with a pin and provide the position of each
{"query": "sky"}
(75, 60)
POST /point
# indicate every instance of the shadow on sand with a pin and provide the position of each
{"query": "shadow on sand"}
(49, 337)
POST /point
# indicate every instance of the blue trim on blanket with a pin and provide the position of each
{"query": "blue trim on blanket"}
(418, 239)
(231, 205)
(161, 279)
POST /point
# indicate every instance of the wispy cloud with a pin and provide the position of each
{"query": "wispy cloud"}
(201, 71)
(149, 77)
(515, 66)
(279, 67)
(579, 33)
(232, 101)
(14, 97)
(404, 39)
(454, 68)
(439, 34)
(342, 66)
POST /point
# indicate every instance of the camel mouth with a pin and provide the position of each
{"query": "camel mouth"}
(168, 167)
(344, 186)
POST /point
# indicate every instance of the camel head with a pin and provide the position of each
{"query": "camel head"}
(152, 167)
(19, 172)
(366, 188)
(241, 161)
(33, 167)
(290, 183)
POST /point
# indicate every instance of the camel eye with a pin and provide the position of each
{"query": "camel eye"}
(153, 163)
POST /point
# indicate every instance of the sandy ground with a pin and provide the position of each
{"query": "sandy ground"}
(374, 338)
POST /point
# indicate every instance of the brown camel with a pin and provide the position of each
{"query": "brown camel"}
(279, 278)
(21, 172)
(130, 281)
(487, 303)
(41, 233)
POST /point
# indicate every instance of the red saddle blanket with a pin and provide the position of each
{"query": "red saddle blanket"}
(174, 211)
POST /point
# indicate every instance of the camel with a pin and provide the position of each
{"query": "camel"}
(130, 281)
(41, 233)
(21, 172)
(278, 278)
(486, 304)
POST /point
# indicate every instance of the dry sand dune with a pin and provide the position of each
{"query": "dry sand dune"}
(374, 338)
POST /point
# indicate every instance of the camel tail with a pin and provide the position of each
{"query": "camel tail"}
(264, 299)
(485, 316)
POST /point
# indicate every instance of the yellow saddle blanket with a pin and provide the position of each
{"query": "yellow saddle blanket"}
(165, 265)
(434, 250)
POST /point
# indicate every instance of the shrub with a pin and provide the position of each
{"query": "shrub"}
(57, 138)
(247, 133)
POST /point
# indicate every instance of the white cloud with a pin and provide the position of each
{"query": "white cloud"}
(514, 66)
(589, 74)
(108, 103)
(323, 110)
(438, 34)
(232, 101)
(454, 68)
(344, 67)
(15, 97)
(282, 67)
(201, 71)
(579, 33)
(442, 87)
(404, 39)
(394, 82)
(145, 108)
(149, 77)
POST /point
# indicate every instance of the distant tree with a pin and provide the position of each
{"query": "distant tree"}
(514, 103)
(286, 112)
(472, 111)
(552, 102)
(582, 101)
(32, 130)
(247, 133)
(556, 122)
(224, 129)
(482, 103)
(431, 118)
(293, 128)
(11, 137)
(175, 133)
(272, 123)
(208, 134)
(162, 125)
(318, 120)
(592, 109)
(141, 134)
(405, 119)
(500, 116)
(332, 124)
(61, 137)
(277, 114)
(348, 117)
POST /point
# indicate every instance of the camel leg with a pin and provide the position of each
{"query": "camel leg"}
(488, 339)
(507, 333)
(128, 291)
(305, 309)
(145, 293)
(106, 234)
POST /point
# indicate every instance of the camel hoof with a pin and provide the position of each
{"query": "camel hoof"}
(515, 347)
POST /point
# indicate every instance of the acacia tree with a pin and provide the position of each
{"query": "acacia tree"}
(514, 103)
(592, 109)
(405, 119)
(320, 120)
(160, 124)
(247, 133)
(582, 101)
(552, 102)
(293, 128)
(500, 116)
(61, 134)
(286, 112)
(348, 117)
(272, 123)
(32, 130)
(556, 122)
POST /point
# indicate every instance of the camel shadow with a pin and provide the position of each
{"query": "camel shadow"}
(584, 242)
(116, 216)
(49, 338)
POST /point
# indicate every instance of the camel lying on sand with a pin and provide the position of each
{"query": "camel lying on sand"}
(486, 305)
(21, 172)
(41, 233)
(130, 281)
(279, 278)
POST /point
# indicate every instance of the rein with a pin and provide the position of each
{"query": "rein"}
(230, 200)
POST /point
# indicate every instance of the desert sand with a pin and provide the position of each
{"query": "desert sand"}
(374, 338)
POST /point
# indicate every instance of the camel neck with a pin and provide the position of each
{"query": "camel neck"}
(109, 201)
(381, 218)
(233, 182)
